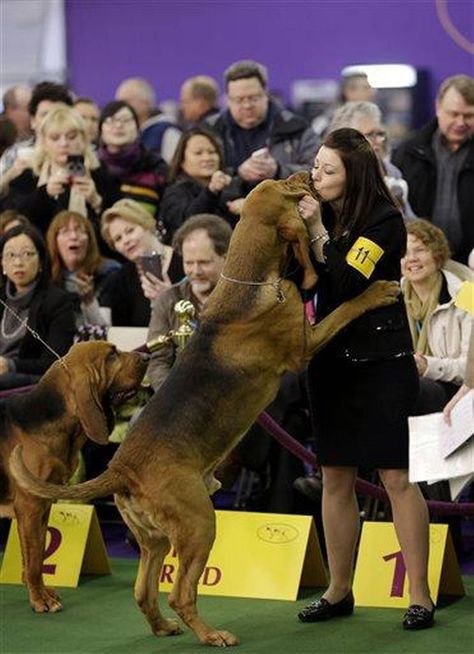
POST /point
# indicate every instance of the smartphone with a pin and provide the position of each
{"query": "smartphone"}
(151, 263)
(75, 165)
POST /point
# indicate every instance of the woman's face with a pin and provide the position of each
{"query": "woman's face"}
(20, 261)
(120, 130)
(418, 264)
(374, 133)
(129, 239)
(201, 159)
(60, 142)
(329, 175)
(72, 240)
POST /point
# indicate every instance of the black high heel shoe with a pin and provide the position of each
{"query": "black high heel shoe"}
(417, 617)
(321, 609)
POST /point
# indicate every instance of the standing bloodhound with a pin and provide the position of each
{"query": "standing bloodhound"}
(252, 330)
(73, 401)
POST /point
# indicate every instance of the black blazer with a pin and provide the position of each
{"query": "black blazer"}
(380, 333)
(52, 316)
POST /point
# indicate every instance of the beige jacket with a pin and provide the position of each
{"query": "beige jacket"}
(449, 333)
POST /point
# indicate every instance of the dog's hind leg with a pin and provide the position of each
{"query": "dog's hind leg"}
(32, 517)
(154, 545)
(193, 532)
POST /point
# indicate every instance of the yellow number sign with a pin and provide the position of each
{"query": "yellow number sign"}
(380, 576)
(74, 544)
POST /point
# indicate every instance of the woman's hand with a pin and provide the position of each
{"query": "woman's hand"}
(152, 286)
(219, 181)
(86, 187)
(421, 363)
(85, 287)
(310, 211)
(235, 206)
(3, 365)
(463, 390)
(57, 183)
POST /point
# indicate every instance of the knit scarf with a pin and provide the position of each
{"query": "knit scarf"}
(419, 312)
(120, 163)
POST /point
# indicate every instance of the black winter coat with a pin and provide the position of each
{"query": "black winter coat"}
(51, 315)
(416, 159)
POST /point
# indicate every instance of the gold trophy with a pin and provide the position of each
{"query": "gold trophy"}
(184, 311)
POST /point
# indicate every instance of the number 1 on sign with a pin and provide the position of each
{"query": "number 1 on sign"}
(399, 574)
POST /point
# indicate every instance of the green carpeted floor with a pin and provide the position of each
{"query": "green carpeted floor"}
(101, 616)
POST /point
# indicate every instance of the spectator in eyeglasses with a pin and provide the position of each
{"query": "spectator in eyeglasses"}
(140, 172)
(260, 139)
(366, 117)
(29, 296)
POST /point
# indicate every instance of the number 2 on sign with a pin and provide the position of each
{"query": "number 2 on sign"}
(54, 543)
(399, 573)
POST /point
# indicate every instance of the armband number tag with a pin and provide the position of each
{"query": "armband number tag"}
(363, 256)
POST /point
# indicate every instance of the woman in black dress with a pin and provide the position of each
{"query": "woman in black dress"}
(363, 386)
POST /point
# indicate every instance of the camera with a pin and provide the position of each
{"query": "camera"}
(75, 165)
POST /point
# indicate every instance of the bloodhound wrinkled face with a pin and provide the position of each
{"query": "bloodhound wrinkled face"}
(102, 376)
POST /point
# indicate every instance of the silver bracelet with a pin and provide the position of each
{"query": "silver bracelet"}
(315, 239)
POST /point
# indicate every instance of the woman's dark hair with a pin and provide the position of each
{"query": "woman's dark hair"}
(49, 91)
(111, 108)
(364, 178)
(178, 157)
(44, 274)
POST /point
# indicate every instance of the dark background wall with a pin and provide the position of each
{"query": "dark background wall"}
(166, 42)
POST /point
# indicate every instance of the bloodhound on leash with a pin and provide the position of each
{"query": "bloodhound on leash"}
(72, 401)
(252, 330)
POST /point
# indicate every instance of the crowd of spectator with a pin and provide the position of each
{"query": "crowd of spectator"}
(91, 197)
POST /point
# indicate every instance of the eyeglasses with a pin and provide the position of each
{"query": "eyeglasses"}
(64, 231)
(25, 255)
(118, 120)
(376, 135)
(248, 99)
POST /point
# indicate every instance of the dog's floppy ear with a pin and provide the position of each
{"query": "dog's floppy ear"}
(292, 229)
(86, 388)
(85, 363)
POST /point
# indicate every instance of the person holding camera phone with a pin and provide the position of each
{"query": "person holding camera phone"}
(64, 173)
(151, 265)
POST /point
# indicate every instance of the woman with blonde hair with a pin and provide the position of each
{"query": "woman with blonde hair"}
(151, 265)
(78, 267)
(64, 173)
(440, 330)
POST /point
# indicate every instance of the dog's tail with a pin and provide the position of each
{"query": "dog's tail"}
(107, 483)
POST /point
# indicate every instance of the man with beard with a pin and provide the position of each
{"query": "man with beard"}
(202, 241)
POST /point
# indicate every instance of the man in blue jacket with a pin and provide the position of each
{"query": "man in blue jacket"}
(261, 140)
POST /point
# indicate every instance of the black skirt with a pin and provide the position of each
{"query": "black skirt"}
(359, 410)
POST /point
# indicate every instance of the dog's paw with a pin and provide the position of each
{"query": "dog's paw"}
(167, 628)
(46, 604)
(218, 638)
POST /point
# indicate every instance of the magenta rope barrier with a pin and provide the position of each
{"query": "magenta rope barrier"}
(15, 391)
(362, 486)
(292, 445)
